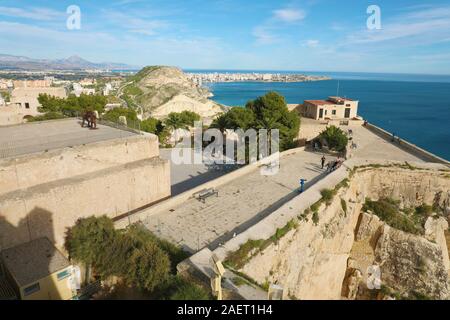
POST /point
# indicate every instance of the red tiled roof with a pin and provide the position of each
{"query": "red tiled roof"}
(319, 102)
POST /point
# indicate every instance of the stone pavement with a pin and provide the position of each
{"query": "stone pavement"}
(249, 198)
(188, 176)
(40, 136)
(373, 147)
(240, 204)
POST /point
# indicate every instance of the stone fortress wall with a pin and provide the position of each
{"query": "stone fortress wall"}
(43, 194)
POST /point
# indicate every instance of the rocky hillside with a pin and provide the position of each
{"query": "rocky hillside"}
(336, 254)
(160, 90)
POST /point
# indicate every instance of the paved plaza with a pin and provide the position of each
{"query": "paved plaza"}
(240, 204)
(41, 136)
(249, 198)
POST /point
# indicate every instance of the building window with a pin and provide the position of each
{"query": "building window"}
(63, 274)
(326, 112)
(347, 105)
(333, 112)
(27, 105)
(31, 289)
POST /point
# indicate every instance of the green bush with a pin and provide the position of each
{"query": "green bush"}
(327, 195)
(315, 218)
(344, 206)
(181, 120)
(388, 210)
(47, 116)
(86, 241)
(335, 138)
(113, 115)
(185, 290)
(149, 266)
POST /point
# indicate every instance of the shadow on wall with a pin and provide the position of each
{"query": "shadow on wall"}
(38, 223)
(34, 262)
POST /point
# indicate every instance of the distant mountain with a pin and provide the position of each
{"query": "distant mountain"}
(72, 63)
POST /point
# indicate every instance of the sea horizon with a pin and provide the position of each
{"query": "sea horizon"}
(416, 111)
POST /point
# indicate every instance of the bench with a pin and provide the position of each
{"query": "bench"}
(202, 195)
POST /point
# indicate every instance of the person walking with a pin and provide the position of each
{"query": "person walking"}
(302, 185)
(323, 161)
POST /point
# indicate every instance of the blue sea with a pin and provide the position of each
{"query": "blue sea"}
(414, 107)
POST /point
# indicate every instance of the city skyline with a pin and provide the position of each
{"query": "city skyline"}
(311, 35)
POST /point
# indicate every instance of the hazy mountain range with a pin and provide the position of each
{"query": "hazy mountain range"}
(71, 63)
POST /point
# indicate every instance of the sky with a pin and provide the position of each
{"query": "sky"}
(303, 35)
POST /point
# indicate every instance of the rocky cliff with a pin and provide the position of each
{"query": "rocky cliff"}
(160, 90)
(335, 256)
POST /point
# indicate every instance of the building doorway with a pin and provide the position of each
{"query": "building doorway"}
(347, 113)
(320, 113)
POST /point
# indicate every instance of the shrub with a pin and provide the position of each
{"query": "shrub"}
(185, 290)
(47, 116)
(114, 114)
(335, 138)
(238, 258)
(344, 206)
(149, 266)
(327, 195)
(86, 241)
(315, 218)
(388, 210)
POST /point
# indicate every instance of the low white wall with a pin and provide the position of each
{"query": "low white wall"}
(407, 146)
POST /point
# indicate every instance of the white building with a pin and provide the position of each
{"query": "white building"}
(78, 90)
(332, 108)
(26, 99)
(107, 90)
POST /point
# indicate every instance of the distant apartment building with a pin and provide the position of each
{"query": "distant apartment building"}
(79, 90)
(32, 83)
(332, 108)
(87, 82)
(107, 89)
(5, 84)
(26, 99)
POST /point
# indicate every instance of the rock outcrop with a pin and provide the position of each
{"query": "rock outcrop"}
(161, 90)
(337, 257)
(411, 265)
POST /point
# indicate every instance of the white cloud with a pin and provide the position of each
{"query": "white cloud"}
(423, 26)
(31, 13)
(263, 35)
(135, 24)
(311, 43)
(289, 15)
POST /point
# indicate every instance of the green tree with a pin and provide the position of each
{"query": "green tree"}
(152, 125)
(149, 266)
(271, 112)
(235, 118)
(86, 240)
(72, 105)
(181, 120)
(335, 138)
(114, 114)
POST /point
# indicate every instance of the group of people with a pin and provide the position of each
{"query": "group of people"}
(331, 165)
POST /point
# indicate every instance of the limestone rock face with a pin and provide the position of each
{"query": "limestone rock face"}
(160, 90)
(410, 263)
(353, 284)
(368, 226)
(435, 231)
